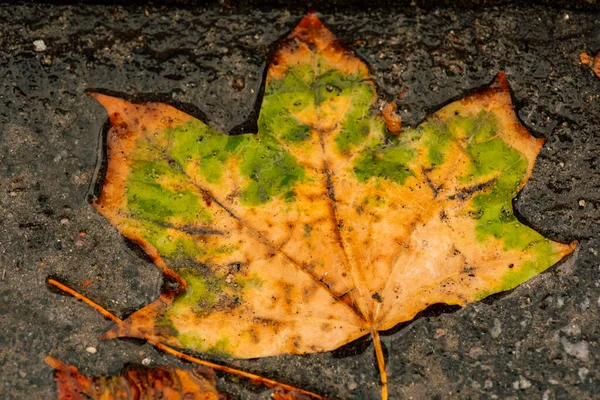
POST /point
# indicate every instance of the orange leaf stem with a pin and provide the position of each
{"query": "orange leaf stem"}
(380, 364)
(105, 313)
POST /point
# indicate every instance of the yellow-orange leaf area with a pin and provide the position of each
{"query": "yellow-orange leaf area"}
(136, 382)
(322, 227)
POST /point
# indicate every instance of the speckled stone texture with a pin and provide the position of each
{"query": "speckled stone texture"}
(540, 341)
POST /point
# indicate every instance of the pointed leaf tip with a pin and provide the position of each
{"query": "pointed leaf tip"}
(310, 20)
(99, 97)
(111, 104)
(310, 27)
(500, 82)
(498, 85)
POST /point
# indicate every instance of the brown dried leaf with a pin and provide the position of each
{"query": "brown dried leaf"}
(136, 383)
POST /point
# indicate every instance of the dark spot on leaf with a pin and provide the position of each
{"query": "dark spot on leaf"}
(235, 267)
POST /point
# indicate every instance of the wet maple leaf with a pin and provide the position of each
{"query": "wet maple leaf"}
(136, 382)
(323, 227)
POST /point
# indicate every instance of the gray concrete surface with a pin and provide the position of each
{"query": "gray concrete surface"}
(541, 341)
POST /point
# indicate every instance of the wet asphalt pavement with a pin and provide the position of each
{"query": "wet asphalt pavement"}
(540, 341)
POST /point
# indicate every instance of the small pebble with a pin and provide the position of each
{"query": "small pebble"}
(583, 373)
(476, 352)
(22, 374)
(91, 350)
(522, 383)
(578, 350)
(239, 83)
(39, 45)
(64, 221)
(46, 60)
(581, 203)
(147, 361)
(546, 395)
(496, 329)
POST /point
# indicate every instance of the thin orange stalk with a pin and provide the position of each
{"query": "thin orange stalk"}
(380, 364)
(167, 349)
(105, 313)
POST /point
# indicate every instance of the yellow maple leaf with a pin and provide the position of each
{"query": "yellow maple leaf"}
(324, 226)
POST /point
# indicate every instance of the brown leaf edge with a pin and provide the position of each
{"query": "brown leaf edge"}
(135, 382)
(281, 389)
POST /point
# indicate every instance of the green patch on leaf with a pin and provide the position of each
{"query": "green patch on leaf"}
(333, 84)
(358, 120)
(542, 256)
(201, 293)
(386, 162)
(473, 128)
(270, 169)
(220, 348)
(178, 247)
(253, 282)
(505, 167)
(192, 341)
(149, 199)
(272, 172)
(436, 138)
(279, 122)
(195, 142)
(195, 342)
